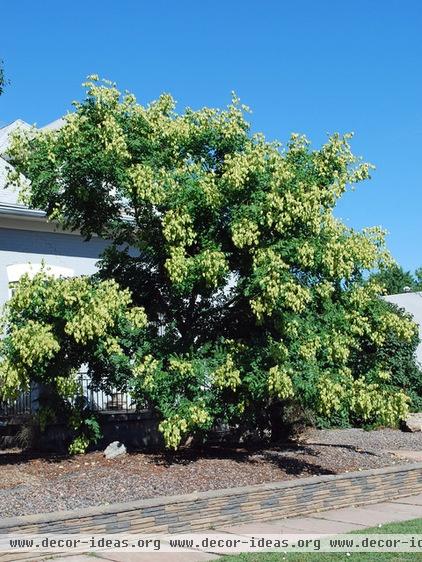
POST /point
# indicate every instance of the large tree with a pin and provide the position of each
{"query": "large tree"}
(255, 294)
(2, 78)
(396, 280)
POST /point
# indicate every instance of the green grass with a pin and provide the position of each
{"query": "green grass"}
(406, 527)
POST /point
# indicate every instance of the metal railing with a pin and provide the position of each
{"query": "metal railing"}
(97, 400)
(100, 401)
(20, 406)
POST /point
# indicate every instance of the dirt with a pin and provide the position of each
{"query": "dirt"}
(35, 484)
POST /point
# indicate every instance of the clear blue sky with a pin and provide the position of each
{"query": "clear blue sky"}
(307, 66)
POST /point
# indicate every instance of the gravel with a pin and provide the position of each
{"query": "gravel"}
(34, 485)
(377, 440)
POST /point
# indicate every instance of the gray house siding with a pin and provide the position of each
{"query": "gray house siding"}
(56, 249)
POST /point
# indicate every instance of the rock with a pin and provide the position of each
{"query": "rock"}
(413, 422)
(114, 450)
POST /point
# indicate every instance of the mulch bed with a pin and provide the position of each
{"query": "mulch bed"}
(31, 484)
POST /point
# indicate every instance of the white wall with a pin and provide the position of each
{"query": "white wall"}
(70, 251)
(412, 303)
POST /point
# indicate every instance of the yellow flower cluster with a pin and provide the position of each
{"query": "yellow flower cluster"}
(245, 233)
(13, 379)
(280, 383)
(291, 294)
(98, 312)
(34, 342)
(336, 159)
(241, 406)
(275, 287)
(282, 210)
(359, 324)
(330, 395)
(236, 170)
(198, 416)
(68, 386)
(308, 350)
(181, 366)
(173, 429)
(256, 158)
(112, 346)
(403, 327)
(71, 132)
(79, 445)
(145, 369)
(208, 184)
(227, 376)
(306, 254)
(360, 296)
(177, 227)
(295, 296)
(178, 265)
(370, 401)
(137, 317)
(337, 347)
(346, 250)
(146, 185)
(212, 266)
(272, 267)
(112, 137)
(86, 311)
(324, 289)
(269, 260)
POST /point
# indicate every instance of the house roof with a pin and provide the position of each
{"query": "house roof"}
(8, 129)
(54, 125)
(7, 195)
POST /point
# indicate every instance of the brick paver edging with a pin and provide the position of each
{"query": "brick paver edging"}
(202, 510)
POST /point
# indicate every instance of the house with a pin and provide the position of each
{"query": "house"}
(411, 303)
(27, 239)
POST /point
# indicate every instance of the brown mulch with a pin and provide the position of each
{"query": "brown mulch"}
(34, 484)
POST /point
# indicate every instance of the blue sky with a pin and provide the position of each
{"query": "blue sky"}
(308, 66)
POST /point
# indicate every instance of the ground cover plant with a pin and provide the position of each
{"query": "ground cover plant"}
(229, 293)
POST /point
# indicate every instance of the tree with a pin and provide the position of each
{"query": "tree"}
(395, 280)
(2, 78)
(254, 293)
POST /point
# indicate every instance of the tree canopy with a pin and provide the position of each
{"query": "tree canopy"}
(254, 293)
(2, 78)
(396, 280)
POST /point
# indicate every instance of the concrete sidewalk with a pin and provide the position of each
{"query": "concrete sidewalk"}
(331, 521)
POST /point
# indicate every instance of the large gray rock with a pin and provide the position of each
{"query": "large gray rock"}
(114, 450)
(413, 422)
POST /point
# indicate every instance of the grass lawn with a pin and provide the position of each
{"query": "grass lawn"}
(407, 527)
